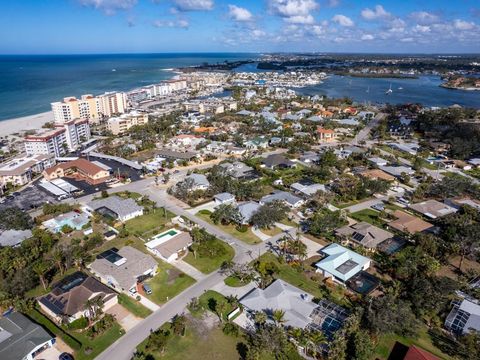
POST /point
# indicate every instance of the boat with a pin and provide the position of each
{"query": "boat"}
(368, 89)
(114, 69)
(400, 88)
(389, 91)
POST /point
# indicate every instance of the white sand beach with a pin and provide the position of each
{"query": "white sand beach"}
(31, 122)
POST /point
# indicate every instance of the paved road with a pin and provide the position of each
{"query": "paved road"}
(362, 134)
(124, 347)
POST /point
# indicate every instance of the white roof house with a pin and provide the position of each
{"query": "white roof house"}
(341, 263)
(433, 209)
(464, 316)
(247, 210)
(200, 182)
(296, 303)
(170, 244)
(224, 198)
(287, 198)
(116, 207)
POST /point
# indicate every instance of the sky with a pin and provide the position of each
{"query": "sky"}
(150, 26)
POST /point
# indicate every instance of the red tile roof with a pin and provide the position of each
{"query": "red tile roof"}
(415, 353)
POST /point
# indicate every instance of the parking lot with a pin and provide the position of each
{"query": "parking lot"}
(30, 198)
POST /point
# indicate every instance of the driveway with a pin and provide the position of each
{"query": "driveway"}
(189, 269)
(126, 320)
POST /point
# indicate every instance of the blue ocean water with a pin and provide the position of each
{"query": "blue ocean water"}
(28, 84)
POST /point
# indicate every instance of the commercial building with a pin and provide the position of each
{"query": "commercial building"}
(79, 169)
(58, 141)
(20, 170)
(87, 107)
(21, 338)
(120, 124)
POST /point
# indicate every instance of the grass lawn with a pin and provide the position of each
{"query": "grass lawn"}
(208, 264)
(249, 237)
(133, 306)
(149, 222)
(209, 298)
(118, 242)
(274, 230)
(368, 215)
(201, 341)
(78, 341)
(294, 277)
(289, 223)
(423, 340)
(233, 281)
(168, 283)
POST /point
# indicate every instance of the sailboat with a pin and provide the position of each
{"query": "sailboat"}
(389, 91)
(368, 89)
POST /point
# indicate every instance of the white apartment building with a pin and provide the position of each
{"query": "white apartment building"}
(87, 107)
(120, 124)
(65, 137)
(20, 170)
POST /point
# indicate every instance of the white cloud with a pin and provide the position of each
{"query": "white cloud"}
(333, 3)
(110, 7)
(368, 37)
(239, 14)
(422, 28)
(193, 5)
(294, 11)
(423, 17)
(377, 13)
(300, 19)
(180, 23)
(343, 20)
(463, 25)
(407, 39)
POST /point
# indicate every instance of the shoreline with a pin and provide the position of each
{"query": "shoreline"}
(24, 123)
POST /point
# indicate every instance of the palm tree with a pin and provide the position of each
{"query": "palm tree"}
(41, 268)
(178, 324)
(315, 339)
(278, 317)
(57, 257)
(260, 318)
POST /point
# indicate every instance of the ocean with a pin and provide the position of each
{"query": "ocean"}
(28, 84)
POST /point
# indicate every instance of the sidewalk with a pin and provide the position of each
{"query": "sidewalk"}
(189, 269)
(148, 303)
(260, 234)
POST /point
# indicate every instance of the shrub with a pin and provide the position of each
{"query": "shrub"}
(230, 329)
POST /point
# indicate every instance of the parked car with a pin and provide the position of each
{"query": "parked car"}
(378, 207)
(147, 289)
(65, 356)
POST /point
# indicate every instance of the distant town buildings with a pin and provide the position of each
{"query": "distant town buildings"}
(21, 170)
(120, 124)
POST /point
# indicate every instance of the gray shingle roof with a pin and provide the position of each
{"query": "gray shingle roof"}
(14, 237)
(19, 336)
(121, 207)
(136, 264)
(290, 199)
(297, 304)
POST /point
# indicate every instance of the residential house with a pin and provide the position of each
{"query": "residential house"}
(224, 198)
(73, 219)
(365, 234)
(397, 171)
(326, 135)
(277, 161)
(116, 208)
(409, 148)
(247, 210)
(376, 174)
(199, 182)
(68, 299)
(409, 223)
(432, 209)
(464, 316)
(299, 309)
(21, 338)
(288, 199)
(14, 238)
(377, 161)
(239, 170)
(172, 155)
(123, 269)
(256, 144)
(307, 188)
(170, 244)
(340, 264)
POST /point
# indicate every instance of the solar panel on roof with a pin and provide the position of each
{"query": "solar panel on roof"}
(358, 237)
